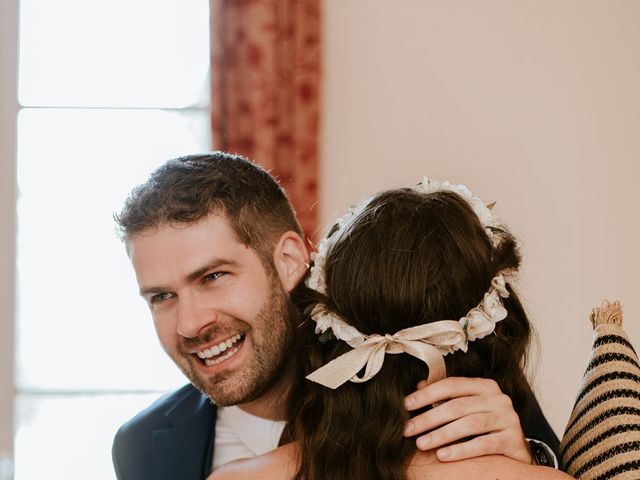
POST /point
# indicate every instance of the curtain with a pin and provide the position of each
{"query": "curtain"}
(265, 79)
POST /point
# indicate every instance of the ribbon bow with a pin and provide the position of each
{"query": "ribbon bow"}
(428, 342)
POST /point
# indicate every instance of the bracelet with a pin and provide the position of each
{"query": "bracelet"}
(542, 454)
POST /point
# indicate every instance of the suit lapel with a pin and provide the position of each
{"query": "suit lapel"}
(184, 450)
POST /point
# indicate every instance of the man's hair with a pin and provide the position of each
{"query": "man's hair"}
(187, 189)
(407, 259)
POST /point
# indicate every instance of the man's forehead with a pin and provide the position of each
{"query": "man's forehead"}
(207, 236)
(213, 223)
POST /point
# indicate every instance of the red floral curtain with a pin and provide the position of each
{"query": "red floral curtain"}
(265, 78)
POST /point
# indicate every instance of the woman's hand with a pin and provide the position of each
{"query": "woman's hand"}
(472, 407)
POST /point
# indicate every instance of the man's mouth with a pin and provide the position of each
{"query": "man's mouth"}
(222, 351)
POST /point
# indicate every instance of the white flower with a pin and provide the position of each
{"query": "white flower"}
(477, 324)
(486, 216)
(445, 347)
(461, 190)
(492, 305)
(498, 282)
(341, 329)
(316, 279)
(322, 319)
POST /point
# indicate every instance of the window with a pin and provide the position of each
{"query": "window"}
(107, 90)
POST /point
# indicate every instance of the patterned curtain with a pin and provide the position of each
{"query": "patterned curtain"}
(265, 79)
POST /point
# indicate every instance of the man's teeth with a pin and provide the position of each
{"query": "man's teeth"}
(221, 358)
(221, 347)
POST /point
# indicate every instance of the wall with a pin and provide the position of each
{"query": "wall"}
(533, 104)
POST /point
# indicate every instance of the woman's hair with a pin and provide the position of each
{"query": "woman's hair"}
(407, 259)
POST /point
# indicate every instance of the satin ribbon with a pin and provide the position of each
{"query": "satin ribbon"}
(428, 342)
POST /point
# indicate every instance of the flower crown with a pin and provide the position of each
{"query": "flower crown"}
(429, 342)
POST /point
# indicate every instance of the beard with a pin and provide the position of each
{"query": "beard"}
(270, 337)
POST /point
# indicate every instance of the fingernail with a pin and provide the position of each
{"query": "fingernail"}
(409, 402)
(408, 428)
(423, 442)
(444, 453)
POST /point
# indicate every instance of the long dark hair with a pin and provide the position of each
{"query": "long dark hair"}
(407, 259)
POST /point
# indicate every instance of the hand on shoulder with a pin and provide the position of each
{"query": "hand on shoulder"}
(472, 408)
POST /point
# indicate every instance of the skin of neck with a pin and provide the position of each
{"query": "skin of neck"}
(272, 404)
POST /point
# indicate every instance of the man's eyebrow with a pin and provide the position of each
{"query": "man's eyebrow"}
(191, 277)
(212, 265)
(151, 291)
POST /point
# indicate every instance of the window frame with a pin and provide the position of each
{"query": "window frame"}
(9, 111)
(8, 190)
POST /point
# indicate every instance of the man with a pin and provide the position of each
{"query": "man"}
(216, 250)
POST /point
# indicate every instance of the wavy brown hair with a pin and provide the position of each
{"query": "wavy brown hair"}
(407, 259)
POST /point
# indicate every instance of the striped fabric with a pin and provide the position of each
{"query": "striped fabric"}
(602, 438)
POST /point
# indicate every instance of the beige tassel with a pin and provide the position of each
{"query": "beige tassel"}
(606, 314)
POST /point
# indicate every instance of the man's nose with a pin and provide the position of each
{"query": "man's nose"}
(194, 315)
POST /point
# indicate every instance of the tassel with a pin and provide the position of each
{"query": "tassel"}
(609, 313)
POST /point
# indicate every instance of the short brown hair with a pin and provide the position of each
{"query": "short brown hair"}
(186, 189)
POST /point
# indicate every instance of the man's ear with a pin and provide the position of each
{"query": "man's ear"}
(291, 259)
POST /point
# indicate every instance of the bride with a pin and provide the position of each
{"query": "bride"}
(409, 277)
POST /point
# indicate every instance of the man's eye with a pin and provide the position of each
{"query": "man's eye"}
(160, 297)
(212, 277)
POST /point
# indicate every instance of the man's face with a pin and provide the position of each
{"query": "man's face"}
(218, 313)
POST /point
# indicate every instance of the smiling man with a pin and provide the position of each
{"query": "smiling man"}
(216, 249)
(221, 313)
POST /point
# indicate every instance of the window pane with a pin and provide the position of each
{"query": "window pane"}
(70, 437)
(126, 53)
(81, 324)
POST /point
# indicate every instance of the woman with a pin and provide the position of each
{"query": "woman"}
(409, 277)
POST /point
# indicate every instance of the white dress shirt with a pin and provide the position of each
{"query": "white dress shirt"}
(241, 435)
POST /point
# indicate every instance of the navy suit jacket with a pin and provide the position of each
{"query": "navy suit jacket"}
(174, 438)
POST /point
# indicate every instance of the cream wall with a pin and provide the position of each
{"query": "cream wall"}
(535, 104)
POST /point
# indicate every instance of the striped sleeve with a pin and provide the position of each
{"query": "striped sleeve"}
(602, 437)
